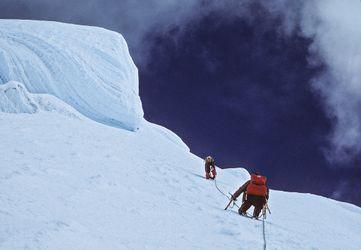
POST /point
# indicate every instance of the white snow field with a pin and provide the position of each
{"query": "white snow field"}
(69, 182)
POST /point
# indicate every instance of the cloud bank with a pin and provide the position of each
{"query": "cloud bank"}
(335, 27)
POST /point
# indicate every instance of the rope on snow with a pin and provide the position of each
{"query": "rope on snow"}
(264, 212)
(219, 190)
(264, 234)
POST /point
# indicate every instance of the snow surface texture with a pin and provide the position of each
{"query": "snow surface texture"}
(68, 182)
(14, 98)
(89, 68)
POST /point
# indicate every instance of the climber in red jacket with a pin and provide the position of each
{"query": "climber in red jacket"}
(255, 194)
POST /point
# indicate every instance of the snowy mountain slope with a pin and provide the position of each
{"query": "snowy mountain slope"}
(70, 183)
(89, 68)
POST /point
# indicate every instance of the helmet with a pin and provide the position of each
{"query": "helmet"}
(209, 159)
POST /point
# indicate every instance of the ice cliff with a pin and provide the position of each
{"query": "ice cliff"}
(89, 68)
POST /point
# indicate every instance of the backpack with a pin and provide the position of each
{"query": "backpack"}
(257, 186)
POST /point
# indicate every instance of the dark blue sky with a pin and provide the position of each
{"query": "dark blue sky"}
(232, 88)
(241, 92)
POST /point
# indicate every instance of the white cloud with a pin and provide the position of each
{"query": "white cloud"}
(335, 27)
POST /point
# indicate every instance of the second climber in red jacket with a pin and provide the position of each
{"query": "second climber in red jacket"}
(255, 193)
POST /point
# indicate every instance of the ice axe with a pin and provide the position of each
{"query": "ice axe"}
(265, 209)
(230, 201)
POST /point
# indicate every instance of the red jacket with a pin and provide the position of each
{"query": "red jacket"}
(208, 165)
(243, 189)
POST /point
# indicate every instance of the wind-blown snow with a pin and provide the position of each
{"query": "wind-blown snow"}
(89, 68)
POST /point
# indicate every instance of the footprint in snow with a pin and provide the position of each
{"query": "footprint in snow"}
(10, 175)
(226, 232)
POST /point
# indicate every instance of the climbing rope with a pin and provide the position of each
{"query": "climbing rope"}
(228, 197)
(264, 234)
(263, 215)
(215, 184)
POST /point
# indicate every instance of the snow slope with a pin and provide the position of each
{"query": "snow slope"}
(89, 68)
(69, 182)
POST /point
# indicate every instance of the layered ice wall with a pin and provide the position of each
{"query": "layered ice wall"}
(87, 67)
(14, 98)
